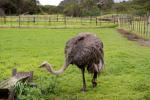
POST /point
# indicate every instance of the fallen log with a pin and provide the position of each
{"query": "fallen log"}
(7, 86)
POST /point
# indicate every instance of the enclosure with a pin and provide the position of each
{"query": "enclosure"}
(54, 21)
(136, 24)
(125, 75)
(31, 33)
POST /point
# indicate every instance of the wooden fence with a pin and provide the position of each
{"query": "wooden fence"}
(53, 21)
(137, 24)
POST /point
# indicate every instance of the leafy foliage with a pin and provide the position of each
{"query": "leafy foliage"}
(19, 6)
(141, 6)
(75, 7)
(136, 7)
(20, 88)
(84, 7)
(48, 86)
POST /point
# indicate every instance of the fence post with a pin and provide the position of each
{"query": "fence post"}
(112, 19)
(139, 23)
(19, 21)
(10, 21)
(90, 20)
(133, 23)
(0, 20)
(49, 20)
(100, 21)
(96, 21)
(65, 20)
(33, 19)
(4, 19)
(119, 22)
(136, 25)
(81, 20)
(31, 76)
(144, 25)
(57, 17)
(28, 20)
(147, 25)
(130, 22)
(14, 72)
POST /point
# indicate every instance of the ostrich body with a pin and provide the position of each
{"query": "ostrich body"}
(85, 51)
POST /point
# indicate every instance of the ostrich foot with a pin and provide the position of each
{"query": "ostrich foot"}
(94, 83)
(83, 89)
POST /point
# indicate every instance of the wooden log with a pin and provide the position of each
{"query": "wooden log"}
(4, 93)
(14, 72)
(7, 86)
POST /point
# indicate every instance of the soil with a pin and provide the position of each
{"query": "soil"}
(134, 37)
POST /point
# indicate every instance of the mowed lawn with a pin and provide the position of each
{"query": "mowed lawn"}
(127, 65)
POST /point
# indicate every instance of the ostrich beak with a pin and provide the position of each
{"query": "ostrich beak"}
(43, 64)
(40, 66)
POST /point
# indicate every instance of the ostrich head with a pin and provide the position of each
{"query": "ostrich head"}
(45, 64)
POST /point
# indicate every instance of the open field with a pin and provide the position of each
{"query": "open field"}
(125, 77)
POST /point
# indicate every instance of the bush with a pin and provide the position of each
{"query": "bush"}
(46, 89)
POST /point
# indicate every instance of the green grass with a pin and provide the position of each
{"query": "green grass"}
(127, 65)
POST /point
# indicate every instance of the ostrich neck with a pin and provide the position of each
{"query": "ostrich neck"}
(51, 70)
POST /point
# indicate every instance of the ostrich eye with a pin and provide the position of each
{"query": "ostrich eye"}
(42, 65)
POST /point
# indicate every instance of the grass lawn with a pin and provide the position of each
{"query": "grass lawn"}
(127, 65)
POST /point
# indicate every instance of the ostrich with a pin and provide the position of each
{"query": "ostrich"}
(85, 51)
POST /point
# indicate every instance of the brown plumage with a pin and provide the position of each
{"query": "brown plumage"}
(84, 50)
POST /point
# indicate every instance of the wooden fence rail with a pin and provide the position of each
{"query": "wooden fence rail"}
(47, 21)
(137, 24)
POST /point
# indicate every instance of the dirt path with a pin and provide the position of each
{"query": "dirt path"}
(134, 37)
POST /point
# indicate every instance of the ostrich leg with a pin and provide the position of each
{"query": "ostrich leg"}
(84, 83)
(94, 79)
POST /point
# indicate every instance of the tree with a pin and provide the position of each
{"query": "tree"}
(19, 6)
(80, 7)
(72, 9)
(142, 5)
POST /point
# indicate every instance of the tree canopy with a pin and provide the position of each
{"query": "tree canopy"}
(75, 7)
(19, 6)
(84, 7)
(141, 6)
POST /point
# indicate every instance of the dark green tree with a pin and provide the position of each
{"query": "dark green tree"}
(142, 6)
(19, 6)
(80, 7)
